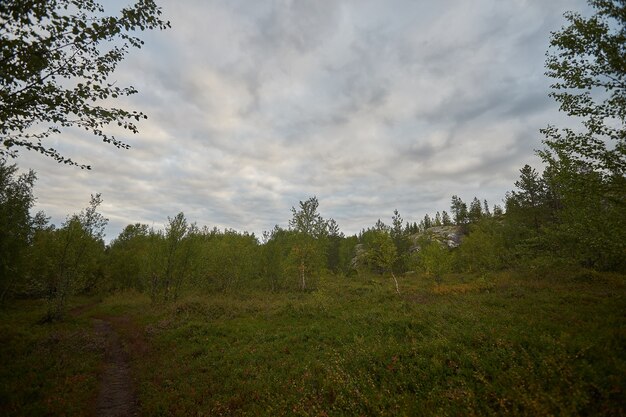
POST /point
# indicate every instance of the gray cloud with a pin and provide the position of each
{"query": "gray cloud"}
(369, 105)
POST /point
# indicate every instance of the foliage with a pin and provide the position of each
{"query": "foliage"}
(273, 255)
(459, 210)
(307, 220)
(587, 63)
(126, 258)
(483, 249)
(434, 259)
(305, 258)
(517, 345)
(16, 224)
(69, 260)
(445, 219)
(383, 254)
(347, 252)
(334, 261)
(589, 226)
(402, 243)
(56, 58)
(310, 241)
(475, 212)
(529, 204)
(585, 177)
(229, 259)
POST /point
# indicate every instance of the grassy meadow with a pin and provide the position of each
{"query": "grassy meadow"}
(502, 344)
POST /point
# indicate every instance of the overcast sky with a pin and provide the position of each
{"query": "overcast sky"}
(369, 105)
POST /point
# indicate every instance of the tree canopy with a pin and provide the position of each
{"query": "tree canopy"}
(56, 58)
(587, 61)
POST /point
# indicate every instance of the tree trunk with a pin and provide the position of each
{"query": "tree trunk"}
(396, 282)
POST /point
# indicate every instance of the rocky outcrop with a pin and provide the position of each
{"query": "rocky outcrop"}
(446, 236)
(361, 257)
(449, 236)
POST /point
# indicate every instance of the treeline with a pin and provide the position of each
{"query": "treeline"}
(561, 217)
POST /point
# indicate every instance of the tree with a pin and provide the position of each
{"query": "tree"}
(347, 252)
(445, 219)
(475, 211)
(56, 58)
(586, 167)
(305, 257)
(396, 225)
(333, 257)
(588, 225)
(381, 226)
(231, 257)
(486, 211)
(530, 197)
(307, 220)
(588, 62)
(126, 257)
(309, 240)
(69, 260)
(483, 249)
(176, 254)
(459, 210)
(383, 254)
(426, 223)
(273, 256)
(16, 223)
(401, 241)
(434, 259)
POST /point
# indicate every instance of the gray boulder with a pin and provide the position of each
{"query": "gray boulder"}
(448, 236)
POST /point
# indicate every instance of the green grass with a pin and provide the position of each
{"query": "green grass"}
(494, 345)
(47, 369)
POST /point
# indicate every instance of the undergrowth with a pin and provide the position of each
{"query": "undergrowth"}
(494, 344)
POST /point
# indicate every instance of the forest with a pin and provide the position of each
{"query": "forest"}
(546, 223)
(507, 309)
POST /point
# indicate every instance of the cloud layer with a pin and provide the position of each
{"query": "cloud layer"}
(369, 105)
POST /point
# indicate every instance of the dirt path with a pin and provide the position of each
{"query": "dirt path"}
(117, 396)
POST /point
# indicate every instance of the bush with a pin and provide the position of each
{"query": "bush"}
(483, 249)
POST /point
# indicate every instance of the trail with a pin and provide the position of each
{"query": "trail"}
(116, 397)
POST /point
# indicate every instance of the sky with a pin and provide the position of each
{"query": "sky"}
(369, 105)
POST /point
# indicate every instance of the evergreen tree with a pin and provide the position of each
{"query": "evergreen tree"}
(486, 211)
(530, 197)
(380, 226)
(437, 219)
(459, 210)
(333, 258)
(475, 211)
(425, 223)
(396, 225)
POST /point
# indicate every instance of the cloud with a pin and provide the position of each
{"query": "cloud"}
(369, 105)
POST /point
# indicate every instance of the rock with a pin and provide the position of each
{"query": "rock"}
(361, 257)
(449, 236)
